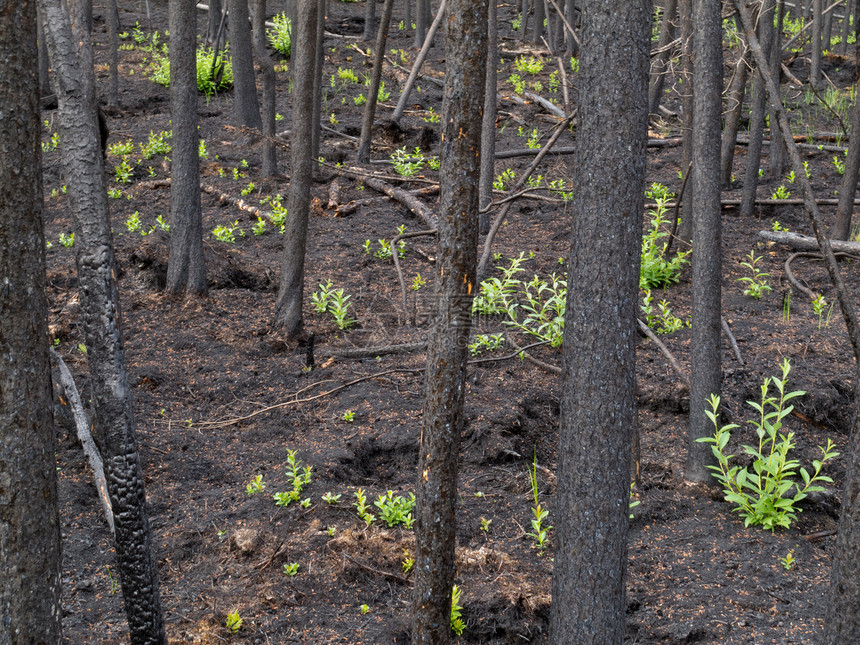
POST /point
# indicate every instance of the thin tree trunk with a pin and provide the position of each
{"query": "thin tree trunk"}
(186, 267)
(369, 19)
(706, 375)
(420, 22)
(658, 63)
(245, 104)
(598, 399)
(288, 309)
(30, 607)
(113, 57)
(846, 26)
(44, 72)
(435, 533)
(363, 155)
(488, 128)
(685, 12)
(735, 102)
(416, 66)
(777, 156)
(213, 23)
(845, 210)
(537, 26)
(815, 45)
(317, 89)
(113, 420)
(570, 42)
(269, 165)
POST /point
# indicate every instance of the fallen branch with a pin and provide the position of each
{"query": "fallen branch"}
(379, 350)
(675, 365)
(809, 293)
(570, 150)
(805, 243)
(406, 198)
(552, 369)
(732, 341)
(84, 436)
(396, 257)
(241, 204)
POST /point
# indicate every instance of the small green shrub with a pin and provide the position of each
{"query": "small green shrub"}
(281, 36)
(210, 78)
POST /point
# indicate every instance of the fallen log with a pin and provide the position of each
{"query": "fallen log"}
(805, 243)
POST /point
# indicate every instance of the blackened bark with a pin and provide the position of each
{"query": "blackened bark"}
(734, 106)
(113, 46)
(317, 88)
(598, 401)
(421, 21)
(658, 64)
(444, 389)
(845, 210)
(363, 155)
(30, 610)
(186, 267)
(369, 19)
(269, 165)
(44, 74)
(685, 15)
(705, 355)
(488, 128)
(815, 45)
(213, 22)
(246, 105)
(777, 154)
(537, 25)
(288, 309)
(113, 418)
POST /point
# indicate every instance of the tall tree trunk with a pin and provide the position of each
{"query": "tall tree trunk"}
(44, 65)
(30, 609)
(269, 166)
(213, 23)
(113, 46)
(734, 107)
(369, 19)
(488, 128)
(363, 155)
(537, 27)
(845, 210)
(658, 64)
(777, 155)
(685, 14)
(815, 45)
(420, 22)
(288, 309)
(435, 535)
(598, 399)
(186, 267)
(317, 89)
(245, 103)
(570, 41)
(706, 375)
(113, 418)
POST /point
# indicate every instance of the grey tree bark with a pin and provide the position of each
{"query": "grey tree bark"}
(44, 74)
(186, 266)
(288, 309)
(422, 11)
(658, 63)
(30, 609)
(363, 154)
(369, 19)
(598, 400)
(537, 26)
(317, 89)
(815, 45)
(213, 23)
(245, 104)
(113, 419)
(706, 375)
(734, 107)
(113, 45)
(269, 165)
(488, 128)
(777, 155)
(685, 14)
(444, 389)
(845, 210)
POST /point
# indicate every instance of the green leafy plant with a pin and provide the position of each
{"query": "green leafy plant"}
(249, 189)
(756, 284)
(788, 561)
(384, 250)
(763, 494)
(278, 214)
(234, 622)
(517, 81)
(486, 342)
(330, 498)
(260, 227)
(227, 234)
(407, 563)
(839, 165)
(396, 510)
(291, 569)
(157, 144)
(133, 223)
(533, 141)
(362, 508)
(781, 193)
(543, 306)
(504, 180)
(494, 294)
(418, 282)
(529, 64)
(339, 308)
(819, 306)
(67, 240)
(257, 485)
(457, 624)
(298, 475)
(663, 321)
(540, 532)
(348, 416)
(280, 37)
(364, 609)
(485, 524)
(407, 164)
(633, 503)
(123, 172)
(213, 74)
(656, 270)
(162, 223)
(321, 298)
(121, 148)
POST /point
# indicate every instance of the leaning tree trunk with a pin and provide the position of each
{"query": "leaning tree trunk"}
(30, 609)
(598, 398)
(734, 107)
(245, 103)
(363, 154)
(113, 418)
(705, 376)
(658, 64)
(488, 128)
(186, 267)
(435, 532)
(288, 309)
(269, 165)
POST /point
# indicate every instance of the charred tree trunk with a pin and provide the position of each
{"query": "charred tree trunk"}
(685, 14)
(369, 19)
(113, 45)
(245, 103)
(186, 267)
(598, 399)
(488, 128)
(113, 418)
(658, 64)
(706, 375)
(213, 24)
(363, 155)
(317, 89)
(435, 534)
(269, 166)
(815, 45)
(734, 107)
(30, 609)
(288, 309)
(847, 191)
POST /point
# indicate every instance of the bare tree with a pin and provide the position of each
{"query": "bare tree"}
(488, 129)
(288, 309)
(462, 104)
(186, 267)
(113, 419)
(29, 522)
(598, 400)
(363, 154)
(246, 105)
(269, 166)
(706, 373)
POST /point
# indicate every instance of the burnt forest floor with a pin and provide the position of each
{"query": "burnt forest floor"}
(695, 573)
